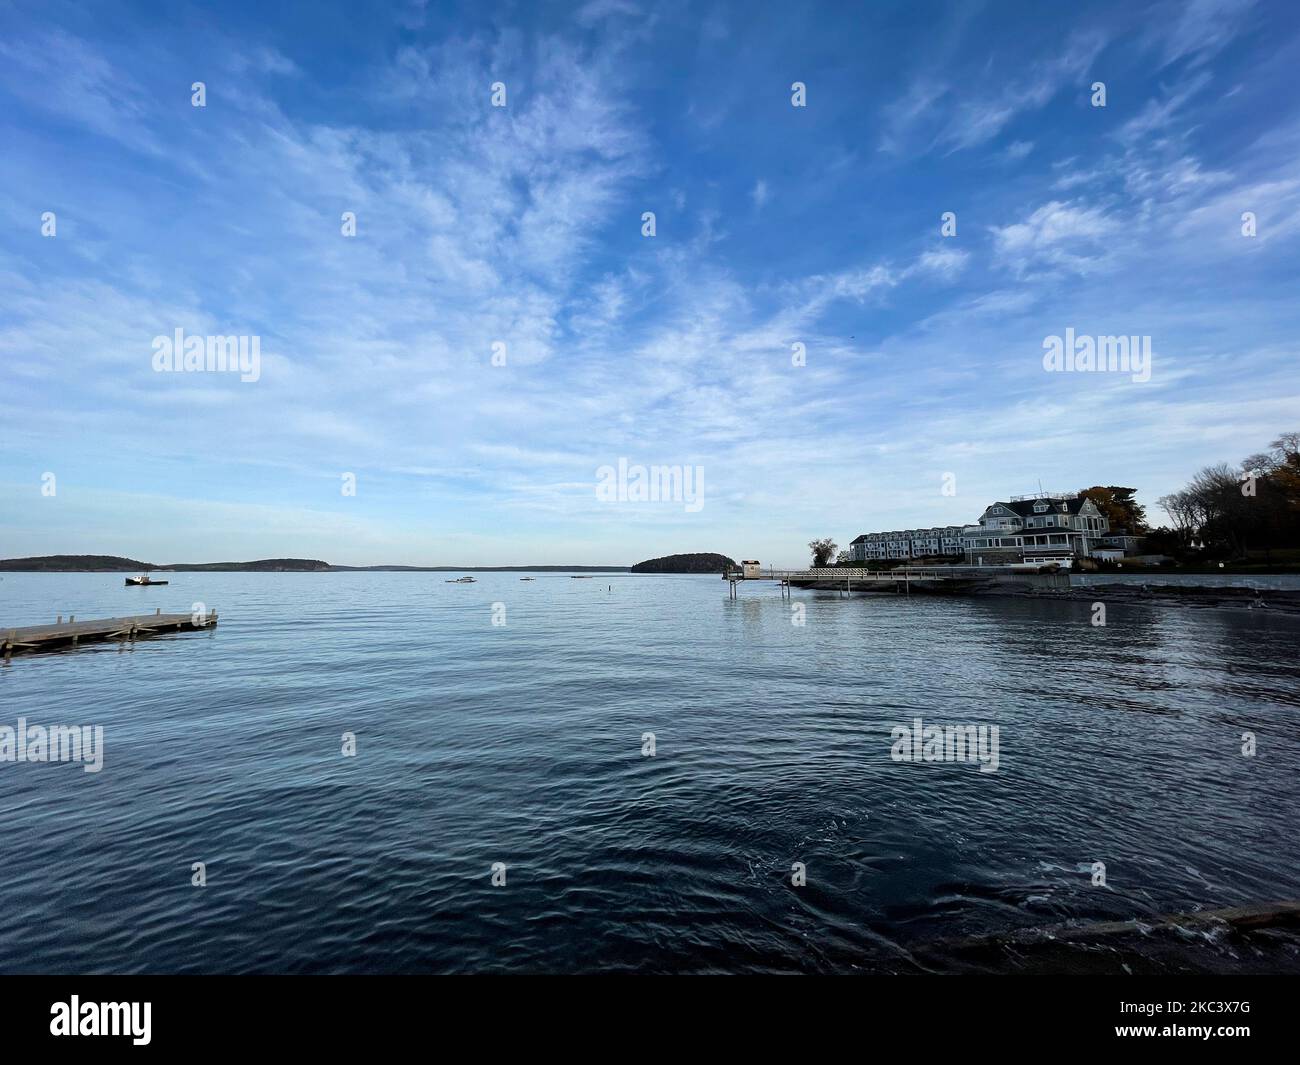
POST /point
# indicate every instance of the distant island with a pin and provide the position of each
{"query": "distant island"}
(700, 562)
(118, 564)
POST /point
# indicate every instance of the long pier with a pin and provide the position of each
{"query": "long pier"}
(940, 579)
(64, 634)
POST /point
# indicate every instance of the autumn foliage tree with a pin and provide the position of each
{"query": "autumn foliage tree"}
(1119, 506)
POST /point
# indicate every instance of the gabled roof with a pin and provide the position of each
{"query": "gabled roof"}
(1025, 507)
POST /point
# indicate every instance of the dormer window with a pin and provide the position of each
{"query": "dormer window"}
(1039, 508)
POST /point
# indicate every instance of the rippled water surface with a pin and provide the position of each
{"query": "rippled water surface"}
(522, 744)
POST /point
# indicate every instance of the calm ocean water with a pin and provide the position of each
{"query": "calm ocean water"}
(522, 744)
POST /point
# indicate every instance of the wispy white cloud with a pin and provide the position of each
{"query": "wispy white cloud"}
(946, 262)
(594, 11)
(1157, 114)
(1056, 236)
(1197, 29)
(972, 109)
(58, 73)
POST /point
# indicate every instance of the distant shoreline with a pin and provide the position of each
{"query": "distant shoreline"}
(74, 564)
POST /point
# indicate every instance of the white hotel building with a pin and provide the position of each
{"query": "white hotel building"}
(907, 543)
(1023, 529)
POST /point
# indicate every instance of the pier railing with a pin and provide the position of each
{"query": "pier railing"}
(845, 573)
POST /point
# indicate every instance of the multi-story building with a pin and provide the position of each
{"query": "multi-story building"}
(1025, 528)
(1052, 525)
(944, 541)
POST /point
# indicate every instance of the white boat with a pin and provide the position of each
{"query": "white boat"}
(141, 581)
(463, 580)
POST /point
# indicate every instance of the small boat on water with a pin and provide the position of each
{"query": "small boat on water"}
(463, 580)
(528, 578)
(141, 581)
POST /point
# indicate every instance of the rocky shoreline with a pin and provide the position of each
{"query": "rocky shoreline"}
(1261, 939)
(1060, 586)
(1277, 600)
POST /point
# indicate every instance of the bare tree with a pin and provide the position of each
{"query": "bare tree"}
(1287, 447)
(1255, 503)
(1179, 508)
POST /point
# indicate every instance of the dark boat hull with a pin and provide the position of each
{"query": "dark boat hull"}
(141, 584)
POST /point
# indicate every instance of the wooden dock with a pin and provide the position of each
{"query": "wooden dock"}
(842, 579)
(63, 634)
(943, 580)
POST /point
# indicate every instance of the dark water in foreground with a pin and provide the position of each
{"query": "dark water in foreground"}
(522, 744)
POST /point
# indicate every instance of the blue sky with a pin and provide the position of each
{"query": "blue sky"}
(522, 224)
